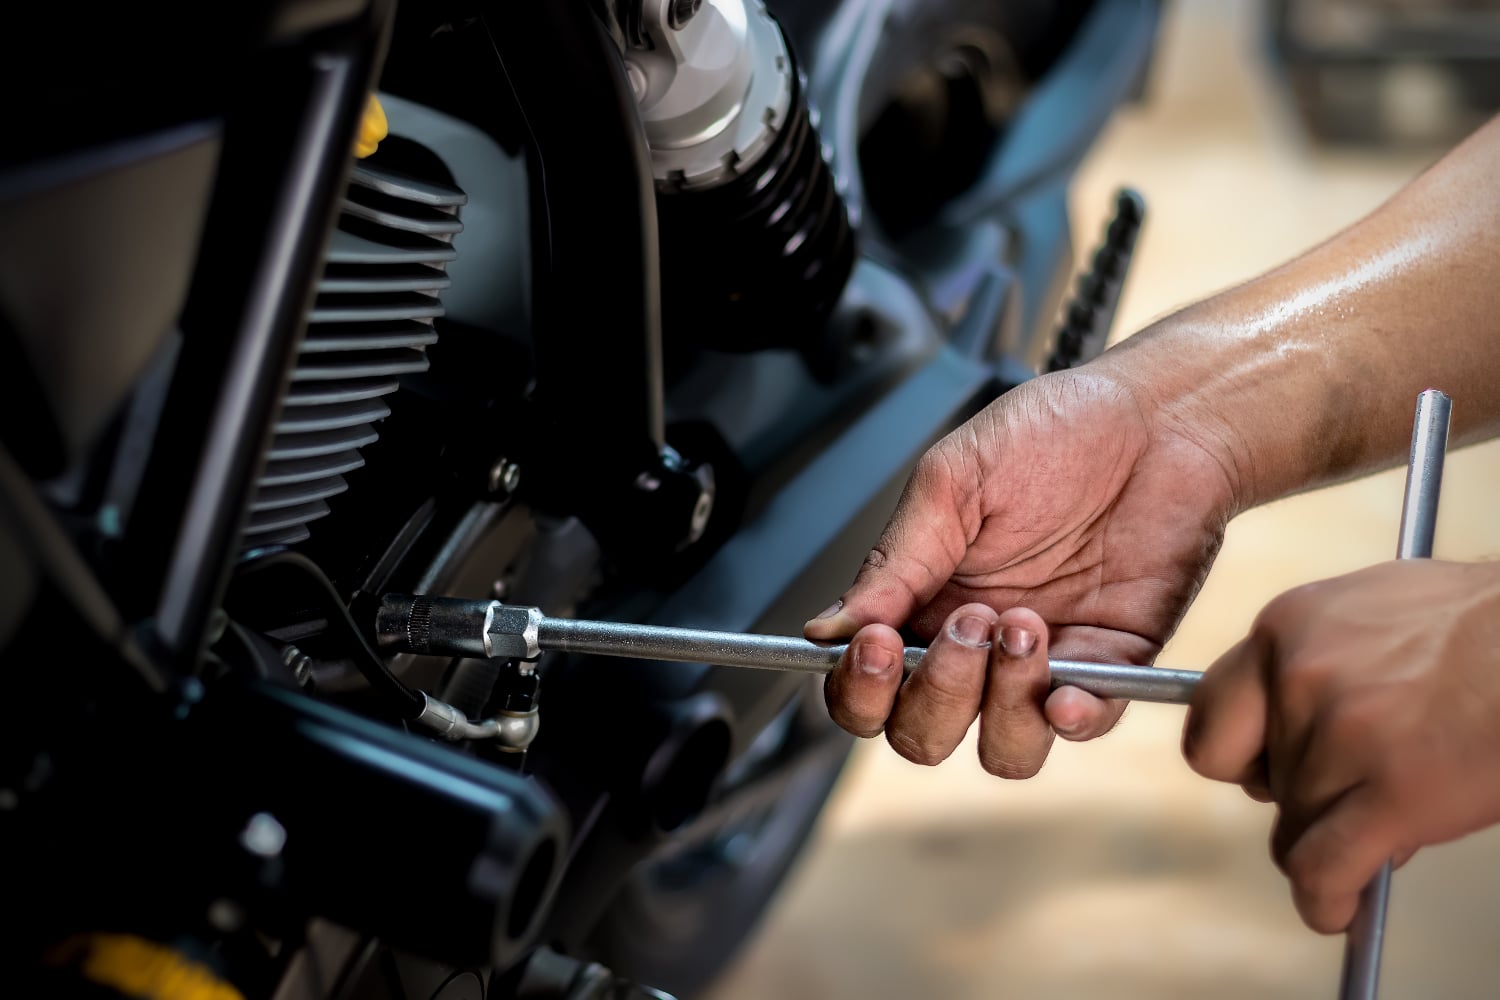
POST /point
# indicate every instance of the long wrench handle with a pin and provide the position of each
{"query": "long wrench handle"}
(449, 626)
(1424, 480)
(779, 652)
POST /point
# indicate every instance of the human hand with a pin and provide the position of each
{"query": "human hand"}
(1365, 707)
(1076, 515)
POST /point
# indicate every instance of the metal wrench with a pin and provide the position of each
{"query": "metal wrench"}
(455, 627)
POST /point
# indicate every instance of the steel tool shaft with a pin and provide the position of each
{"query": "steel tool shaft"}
(1424, 478)
(775, 652)
(453, 627)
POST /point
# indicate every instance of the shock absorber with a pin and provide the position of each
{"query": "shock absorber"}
(756, 244)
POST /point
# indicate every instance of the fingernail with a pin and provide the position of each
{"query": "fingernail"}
(1069, 731)
(831, 610)
(873, 660)
(1017, 642)
(971, 630)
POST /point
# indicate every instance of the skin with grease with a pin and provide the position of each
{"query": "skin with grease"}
(1078, 515)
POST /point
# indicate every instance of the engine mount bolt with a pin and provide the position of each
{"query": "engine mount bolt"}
(299, 662)
(505, 477)
(263, 836)
(226, 915)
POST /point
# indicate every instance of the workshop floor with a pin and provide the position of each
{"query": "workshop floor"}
(1117, 873)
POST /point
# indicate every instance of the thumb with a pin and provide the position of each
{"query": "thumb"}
(921, 546)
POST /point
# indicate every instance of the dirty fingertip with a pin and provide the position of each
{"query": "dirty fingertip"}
(831, 623)
(1076, 715)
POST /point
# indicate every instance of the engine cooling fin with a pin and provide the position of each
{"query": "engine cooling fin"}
(370, 324)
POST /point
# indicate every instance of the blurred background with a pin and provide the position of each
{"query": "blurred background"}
(1266, 128)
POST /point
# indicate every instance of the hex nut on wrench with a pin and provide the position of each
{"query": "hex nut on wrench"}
(510, 632)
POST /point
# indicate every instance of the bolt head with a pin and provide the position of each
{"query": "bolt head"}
(703, 507)
(226, 915)
(511, 632)
(263, 836)
(505, 477)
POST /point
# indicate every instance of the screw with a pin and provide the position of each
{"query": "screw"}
(703, 507)
(682, 12)
(505, 477)
(300, 663)
(702, 510)
(226, 915)
(263, 836)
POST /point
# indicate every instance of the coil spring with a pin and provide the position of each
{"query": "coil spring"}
(760, 261)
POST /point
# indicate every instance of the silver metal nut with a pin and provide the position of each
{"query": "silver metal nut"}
(510, 632)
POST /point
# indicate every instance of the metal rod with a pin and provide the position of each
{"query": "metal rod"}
(777, 652)
(1424, 477)
(448, 626)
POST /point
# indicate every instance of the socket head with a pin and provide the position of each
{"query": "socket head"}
(510, 632)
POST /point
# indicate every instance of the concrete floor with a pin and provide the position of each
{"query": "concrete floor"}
(1117, 872)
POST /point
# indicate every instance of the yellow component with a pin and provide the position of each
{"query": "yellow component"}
(372, 128)
(140, 968)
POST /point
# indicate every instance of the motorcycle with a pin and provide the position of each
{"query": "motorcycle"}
(628, 309)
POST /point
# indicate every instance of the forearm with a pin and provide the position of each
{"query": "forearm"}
(1307, 374)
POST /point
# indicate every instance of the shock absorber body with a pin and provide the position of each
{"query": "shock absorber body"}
(756, 244)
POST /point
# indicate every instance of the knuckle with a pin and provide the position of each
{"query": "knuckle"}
(1303, 679)
(1394, 777)
(855, 725)
(846, 718)
(933, 467)
(1294, 601)
(950, 688)
(1350, 726)
(1308, 875)
(877, 558)
(1273, 618)
(1003, 766)
(915, 750)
